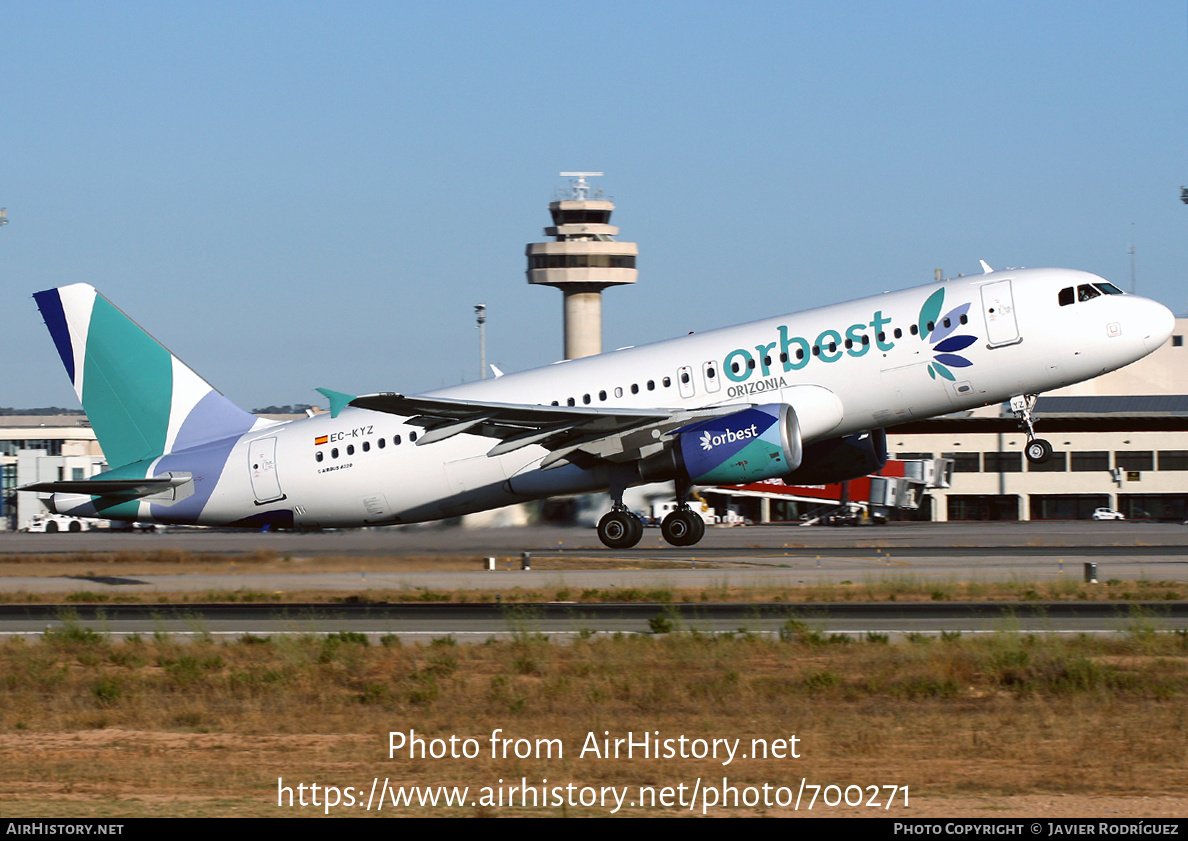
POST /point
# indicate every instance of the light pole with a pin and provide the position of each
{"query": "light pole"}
(480, 314)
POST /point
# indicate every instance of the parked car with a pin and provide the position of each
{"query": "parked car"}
(1107, 514)
(53, 523)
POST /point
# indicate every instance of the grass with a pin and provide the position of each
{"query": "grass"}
(109, 727)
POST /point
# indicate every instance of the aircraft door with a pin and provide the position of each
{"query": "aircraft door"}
(262, 469)
(709, 372)
(685, 381)
(998, 307)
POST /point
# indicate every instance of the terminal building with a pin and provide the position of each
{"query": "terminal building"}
(42, 448)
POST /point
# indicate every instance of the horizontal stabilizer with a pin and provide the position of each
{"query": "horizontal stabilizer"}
(131, 488)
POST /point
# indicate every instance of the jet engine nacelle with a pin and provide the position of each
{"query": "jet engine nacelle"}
(841, 459)
(761, 442)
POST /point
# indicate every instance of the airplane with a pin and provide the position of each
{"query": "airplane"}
(803, 397)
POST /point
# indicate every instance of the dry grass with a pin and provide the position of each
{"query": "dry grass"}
(902, 589)
(153, 727)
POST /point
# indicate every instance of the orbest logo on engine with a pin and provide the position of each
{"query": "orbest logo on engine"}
(708, 441)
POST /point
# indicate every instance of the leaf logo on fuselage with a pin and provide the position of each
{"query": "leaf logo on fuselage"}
(939, 332)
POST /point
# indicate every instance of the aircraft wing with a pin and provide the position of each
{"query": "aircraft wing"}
(573, 434)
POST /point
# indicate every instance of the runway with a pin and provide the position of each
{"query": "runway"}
(455, 558)
(373, 566)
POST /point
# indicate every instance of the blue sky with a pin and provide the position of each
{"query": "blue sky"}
(291, 195)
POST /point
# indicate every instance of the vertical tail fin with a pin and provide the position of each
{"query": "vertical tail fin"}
(141, 400)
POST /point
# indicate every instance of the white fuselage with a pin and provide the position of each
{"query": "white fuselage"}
(844, 368)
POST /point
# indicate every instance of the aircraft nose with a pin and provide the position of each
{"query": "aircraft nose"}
(1159, 323)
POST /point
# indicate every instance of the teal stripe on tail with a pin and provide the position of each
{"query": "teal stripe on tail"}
(141, 400)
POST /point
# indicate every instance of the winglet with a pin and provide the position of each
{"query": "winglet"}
(986, 267)
(338, 400)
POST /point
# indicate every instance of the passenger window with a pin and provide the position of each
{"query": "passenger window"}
(334, 453)
(899, 333)
(635, 388)
(914, 329)
(570, 402)
(318, 455)
(366, 446)
(684, 377)
(350, 449)
(668, 381)
(396, 440)
(381, 443)
(1066, 296)
(586, 399)
(965, 319)
(412, 436)
(618, 391)
(602, 395)
(651, 385)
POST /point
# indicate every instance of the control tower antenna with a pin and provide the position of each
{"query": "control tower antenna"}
(583, 259)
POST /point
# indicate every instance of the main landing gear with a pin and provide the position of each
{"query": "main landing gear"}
(1037, 450)
(620, 529)
(683, 527)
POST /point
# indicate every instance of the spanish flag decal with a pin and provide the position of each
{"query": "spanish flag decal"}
(321, 439)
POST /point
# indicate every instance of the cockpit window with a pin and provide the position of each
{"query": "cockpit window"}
(1066, 296)
(1108, 288)
(1086, 291)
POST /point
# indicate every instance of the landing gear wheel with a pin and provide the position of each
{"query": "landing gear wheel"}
(1038, 451)
(620, 530)
(683, 528)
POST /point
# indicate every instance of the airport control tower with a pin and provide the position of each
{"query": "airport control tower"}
(583, 260)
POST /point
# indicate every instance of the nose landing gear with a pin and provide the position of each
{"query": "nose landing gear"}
(1037, 450)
